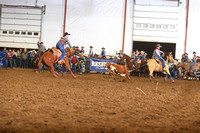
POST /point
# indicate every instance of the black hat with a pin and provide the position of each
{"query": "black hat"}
(186, 53)
(41, 43)
(194, 52)
(91, 47)
(76, 47)
(66, 33)
(103, 48)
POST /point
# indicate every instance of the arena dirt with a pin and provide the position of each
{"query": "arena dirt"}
(31, 102)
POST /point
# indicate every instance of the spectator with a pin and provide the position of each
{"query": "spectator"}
(14, 58)
(133, 55)
(193, 60)
(24, 59)
(4, 50)
(9, 56)
(103, 53)
(82, 50)
(87, 65)
(77, 51)
(81, 61)
(186, 60)
(74, 63)
(41, 48)
(91, 52)
(19, 58)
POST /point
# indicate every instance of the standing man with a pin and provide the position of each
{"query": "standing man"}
(157, 53)
(82, 50)
(60, 45)
(91, 52)
(193, 60)
(9, 56)
(103, 53)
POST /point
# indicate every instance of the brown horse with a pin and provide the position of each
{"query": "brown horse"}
(183, 66)
(49, 58)
(196, 68)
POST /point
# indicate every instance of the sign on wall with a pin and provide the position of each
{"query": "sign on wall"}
(98, 65)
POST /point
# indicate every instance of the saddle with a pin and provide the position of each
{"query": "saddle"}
(58, 54)
(157, 60)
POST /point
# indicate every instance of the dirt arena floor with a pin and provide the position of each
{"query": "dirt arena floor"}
(31, 102)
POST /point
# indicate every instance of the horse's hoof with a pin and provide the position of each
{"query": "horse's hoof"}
(172, 81)
(63, 74)
(55, 76)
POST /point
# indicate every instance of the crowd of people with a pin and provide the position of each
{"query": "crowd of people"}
(25, 58)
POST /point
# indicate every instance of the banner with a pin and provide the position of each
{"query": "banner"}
(2, 60)
(98, 65)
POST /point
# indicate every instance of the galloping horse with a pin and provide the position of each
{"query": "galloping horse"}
(155, 65)
(49, 58)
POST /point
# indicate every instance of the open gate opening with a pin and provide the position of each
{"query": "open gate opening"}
(149, 47)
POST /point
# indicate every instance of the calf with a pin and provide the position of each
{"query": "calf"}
(117, 69)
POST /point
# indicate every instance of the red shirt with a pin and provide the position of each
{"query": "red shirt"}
(74, 60)
(9, 55)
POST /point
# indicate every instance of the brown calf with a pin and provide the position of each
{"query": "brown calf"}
(117, 69)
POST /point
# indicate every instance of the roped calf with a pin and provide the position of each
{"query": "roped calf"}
(117, 69)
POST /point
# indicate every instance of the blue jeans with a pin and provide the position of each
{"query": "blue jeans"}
(80, 68)
(161, 59)
(10, 62)
(14, 62)
(74, 68)
(60, 46)
(192, 65)
(134, 61)
(19, 62)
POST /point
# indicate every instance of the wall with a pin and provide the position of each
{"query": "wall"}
(52, 21)
(193, 28)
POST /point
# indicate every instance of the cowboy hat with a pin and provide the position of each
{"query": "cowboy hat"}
(91, 47)
(194, 52)
(66, 33)
(82, 47)
(158, 45)
(103, 48)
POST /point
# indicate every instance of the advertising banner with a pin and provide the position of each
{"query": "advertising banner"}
(98, 65)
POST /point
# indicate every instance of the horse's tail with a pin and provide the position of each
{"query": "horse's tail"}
(40, 61)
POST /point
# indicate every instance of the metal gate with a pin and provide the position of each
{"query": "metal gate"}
(20, 26)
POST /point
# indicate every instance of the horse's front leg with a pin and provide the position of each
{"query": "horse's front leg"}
(68, 66)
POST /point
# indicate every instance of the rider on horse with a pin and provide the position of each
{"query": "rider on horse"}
(157, 53)
(141, 56)
(60, 45)
(193, 60)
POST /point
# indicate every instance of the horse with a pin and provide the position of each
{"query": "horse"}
(183, 67)
(196, 68)
(155, 65)
(140, 65)
(50, 57)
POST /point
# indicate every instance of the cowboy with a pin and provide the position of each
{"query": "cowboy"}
(103, 53)
(157, 53)
(76, 52)
(82, 50)
(140, 56)
(193, 60)
(186, 60)
(91, 52)
(60, 45)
